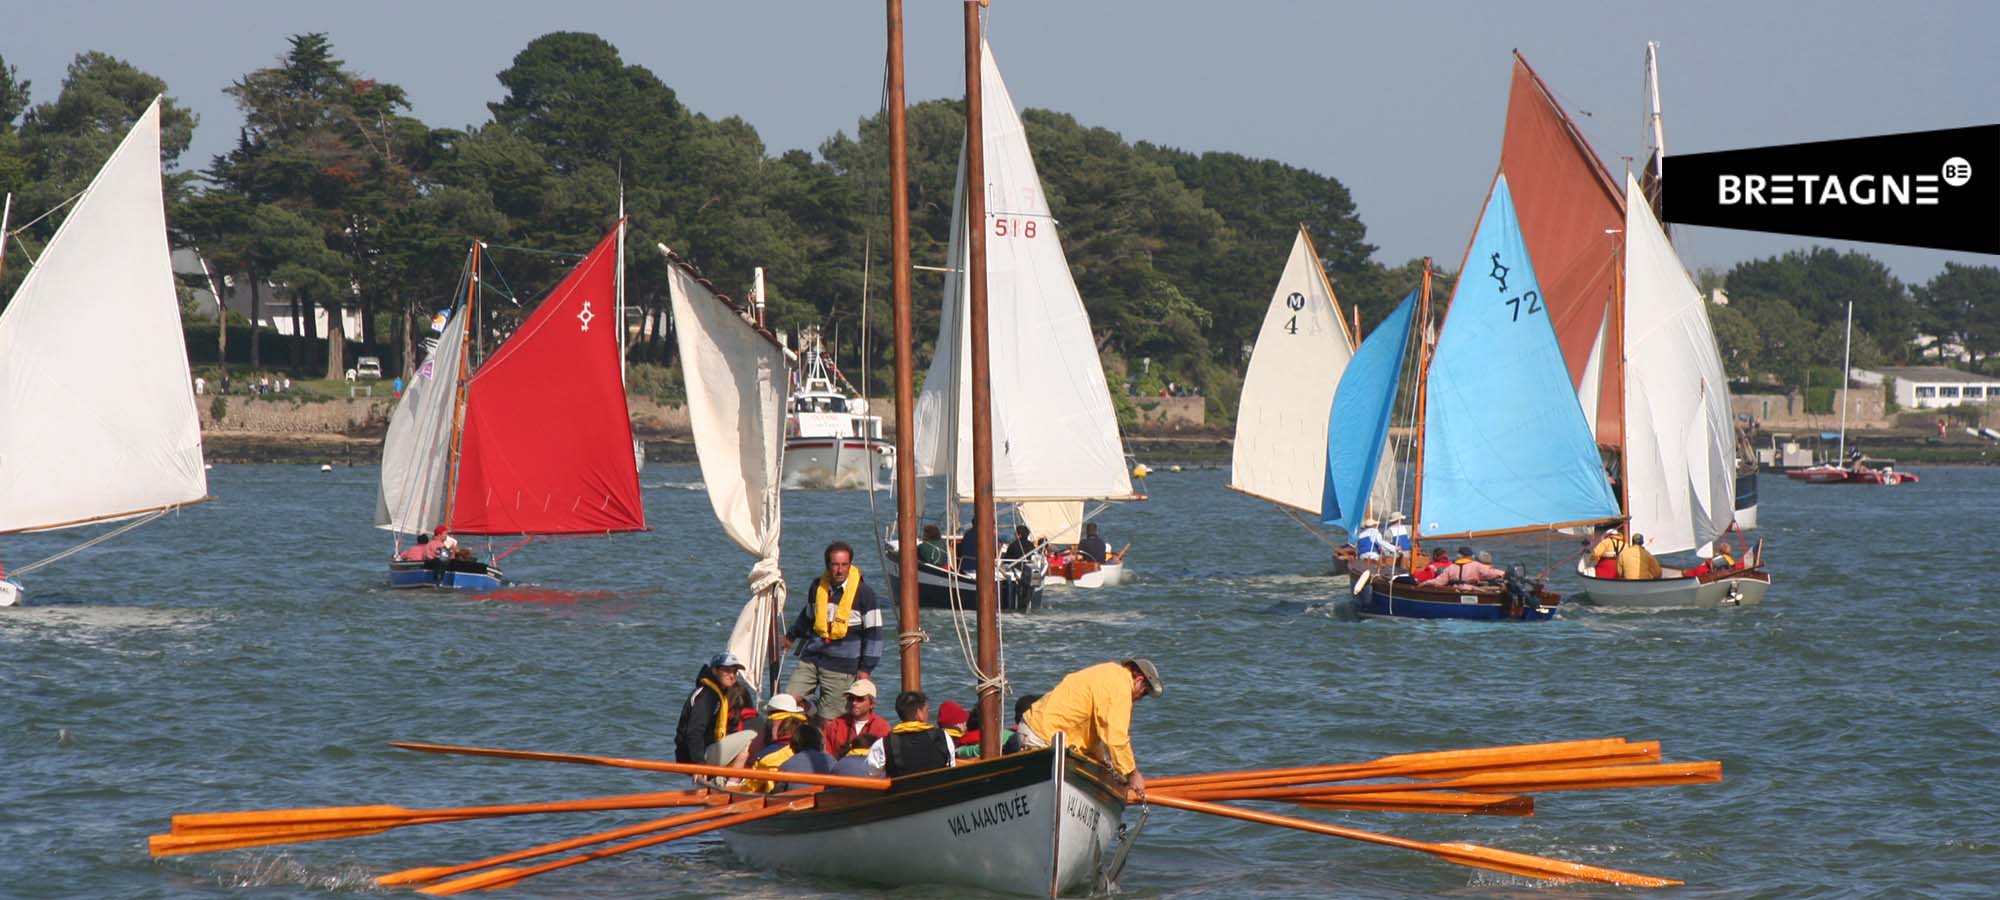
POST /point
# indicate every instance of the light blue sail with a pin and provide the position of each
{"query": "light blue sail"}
(1506, 445)
(1359, 425)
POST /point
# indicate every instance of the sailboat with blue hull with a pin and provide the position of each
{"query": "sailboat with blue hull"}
(1502, 444)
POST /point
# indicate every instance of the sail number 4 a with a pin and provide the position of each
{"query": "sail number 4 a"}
(1005, 227)
(1295, 302)
(1531, 300)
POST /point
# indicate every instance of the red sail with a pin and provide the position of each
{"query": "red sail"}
(547, 443)
(1573, 216)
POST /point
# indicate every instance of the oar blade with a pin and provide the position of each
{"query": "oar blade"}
(268, 817)
(1430, 802)
(1543, 867)
(181, 844)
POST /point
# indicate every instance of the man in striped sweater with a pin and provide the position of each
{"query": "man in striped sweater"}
(839, 633)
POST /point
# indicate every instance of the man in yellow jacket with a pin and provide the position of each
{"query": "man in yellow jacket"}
(1636, 563)
(1092, 709)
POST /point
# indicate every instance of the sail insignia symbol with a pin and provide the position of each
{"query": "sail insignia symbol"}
(1499, 273)
(586, 315)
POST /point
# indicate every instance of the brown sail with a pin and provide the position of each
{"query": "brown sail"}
(1573, 216)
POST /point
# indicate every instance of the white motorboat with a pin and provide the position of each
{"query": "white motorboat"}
(831, 442)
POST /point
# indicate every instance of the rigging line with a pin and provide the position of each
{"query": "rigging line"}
(52, 211)
(1309, 529)
(23, 570)
(537, 250)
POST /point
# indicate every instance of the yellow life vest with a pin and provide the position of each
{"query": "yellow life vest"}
(722, 708)
(769, 762)
(835, 628)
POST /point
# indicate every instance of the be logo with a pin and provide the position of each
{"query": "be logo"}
(1889, 189)
(1957, 171)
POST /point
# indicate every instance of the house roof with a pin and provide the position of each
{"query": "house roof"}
(1936, 374)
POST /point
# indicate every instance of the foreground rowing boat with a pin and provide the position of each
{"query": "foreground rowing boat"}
(1036, 823)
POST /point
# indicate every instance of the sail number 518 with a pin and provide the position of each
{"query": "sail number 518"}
(1003, 227)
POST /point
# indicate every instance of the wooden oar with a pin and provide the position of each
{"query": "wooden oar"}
(433, 873)
(650, 765)
(1463, 854)
(191, 822)
(1578, 779)
(178, 844)
(1428, 802)
(1436, 763)
(499, 878)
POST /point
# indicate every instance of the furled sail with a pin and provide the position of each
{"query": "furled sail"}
(546, 445)
(736, 380)
(1571, 210)
(1680, 450)
(1506, 447)
(94, 387)
(416, 453)
(1281, 418)
(1055, 435)
(1358, 430)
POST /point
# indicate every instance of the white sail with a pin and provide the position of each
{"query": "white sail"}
(94, 389)
(736, 379)
(1055, 435)
(1680, 476)
(1587, 391)
(1055, 521)
(1281, 418)
(416, 453)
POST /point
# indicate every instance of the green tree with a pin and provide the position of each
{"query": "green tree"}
(332, 147)
(1964, 303)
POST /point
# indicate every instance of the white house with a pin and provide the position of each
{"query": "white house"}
(275, 310)
(1934, 387)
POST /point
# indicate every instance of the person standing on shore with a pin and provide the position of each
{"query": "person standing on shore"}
(840, 634)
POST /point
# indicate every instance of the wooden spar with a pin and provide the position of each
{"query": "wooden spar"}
(1326, 284)
(1524, 529)
(1423, 381)
(107, 517)
(1617, 338)
(464, 364)
(983, 518)
(907, 622)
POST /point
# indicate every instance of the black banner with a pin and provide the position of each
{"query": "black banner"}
(1937, 189)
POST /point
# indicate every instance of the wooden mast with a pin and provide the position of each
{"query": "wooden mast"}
(464, 364)
(1423, 381)
(1616, 337)
(984, 540)
(907, 623)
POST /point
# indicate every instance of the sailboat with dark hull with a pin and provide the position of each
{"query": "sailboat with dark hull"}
(1502, 448)
(534, 443)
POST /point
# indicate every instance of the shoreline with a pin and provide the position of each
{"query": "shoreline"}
(235, 447)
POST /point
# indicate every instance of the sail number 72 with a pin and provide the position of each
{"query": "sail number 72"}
(1533, 299)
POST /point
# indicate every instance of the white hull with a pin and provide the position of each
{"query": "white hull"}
(1746, 519)
(839, 464)
(1741, 589)
(11, 593)
(1037, 833)
(1107, 575)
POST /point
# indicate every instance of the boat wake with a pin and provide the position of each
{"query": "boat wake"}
(284, 870)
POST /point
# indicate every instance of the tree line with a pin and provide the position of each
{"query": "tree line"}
(336, 193)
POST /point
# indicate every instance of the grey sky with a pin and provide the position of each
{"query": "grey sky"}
(1402, 103)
